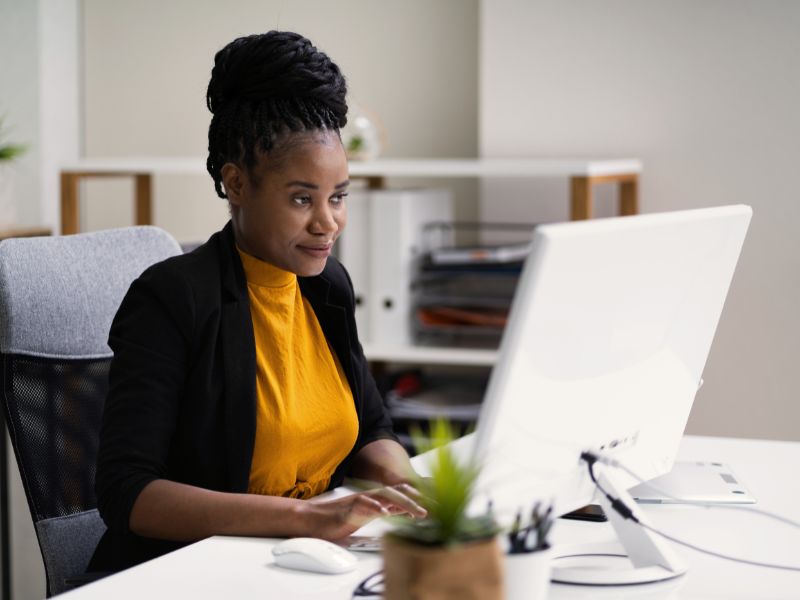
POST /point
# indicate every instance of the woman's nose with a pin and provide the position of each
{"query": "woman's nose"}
(324, 221)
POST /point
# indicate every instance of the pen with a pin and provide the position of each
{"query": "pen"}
(514, 537)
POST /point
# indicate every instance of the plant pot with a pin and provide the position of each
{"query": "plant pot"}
(470, 571)
(528, 575)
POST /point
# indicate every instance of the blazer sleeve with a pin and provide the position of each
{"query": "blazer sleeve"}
(150, 338)
(376, 421)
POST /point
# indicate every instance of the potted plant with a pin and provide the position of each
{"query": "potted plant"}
(449, 553)
(8, 152)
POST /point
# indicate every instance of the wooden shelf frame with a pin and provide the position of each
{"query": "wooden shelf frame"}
(584, 175)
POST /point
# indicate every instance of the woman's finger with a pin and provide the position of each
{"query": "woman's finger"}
(409, 490)
(363, 509)
(399, 499)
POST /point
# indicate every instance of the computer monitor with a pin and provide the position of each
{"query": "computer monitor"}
(604, 350)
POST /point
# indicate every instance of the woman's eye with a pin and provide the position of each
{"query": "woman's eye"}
(301, 200)
(339, 198)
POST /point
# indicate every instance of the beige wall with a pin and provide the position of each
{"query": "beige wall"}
(147, 65)
(707, 94)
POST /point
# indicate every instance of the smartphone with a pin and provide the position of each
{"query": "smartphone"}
(590, 512)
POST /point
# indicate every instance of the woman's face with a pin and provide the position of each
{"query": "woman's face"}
(289, 209)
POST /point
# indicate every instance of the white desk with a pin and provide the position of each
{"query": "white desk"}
(241, 568)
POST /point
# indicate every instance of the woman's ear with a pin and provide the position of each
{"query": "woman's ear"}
(233, 178)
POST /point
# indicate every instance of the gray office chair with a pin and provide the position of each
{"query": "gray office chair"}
(58, 296)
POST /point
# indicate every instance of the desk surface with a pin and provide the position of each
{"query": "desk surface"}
(241, 568)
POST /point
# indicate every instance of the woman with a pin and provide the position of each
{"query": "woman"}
(238, 388)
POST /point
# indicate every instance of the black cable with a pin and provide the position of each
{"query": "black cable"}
(626, 513)
(372, 586)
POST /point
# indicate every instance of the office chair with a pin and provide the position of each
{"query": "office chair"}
(58, 296)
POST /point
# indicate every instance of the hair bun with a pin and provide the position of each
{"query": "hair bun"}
(276, 65)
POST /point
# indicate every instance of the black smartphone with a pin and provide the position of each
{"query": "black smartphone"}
(590, 512)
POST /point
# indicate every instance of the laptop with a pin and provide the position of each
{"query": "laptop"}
(694, 483)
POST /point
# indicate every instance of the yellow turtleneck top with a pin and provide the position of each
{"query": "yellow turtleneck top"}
(306, 421)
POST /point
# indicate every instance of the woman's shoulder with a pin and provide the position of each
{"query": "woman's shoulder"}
(195, 271)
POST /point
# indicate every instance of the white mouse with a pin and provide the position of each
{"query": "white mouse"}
(313, 554)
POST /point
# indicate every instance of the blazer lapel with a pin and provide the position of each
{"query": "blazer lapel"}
(239, 360)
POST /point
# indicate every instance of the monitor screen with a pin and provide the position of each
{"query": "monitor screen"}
(604, 349)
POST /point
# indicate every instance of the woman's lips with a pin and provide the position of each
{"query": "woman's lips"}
(317, 251)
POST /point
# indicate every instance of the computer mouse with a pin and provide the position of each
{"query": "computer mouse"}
(313, 554)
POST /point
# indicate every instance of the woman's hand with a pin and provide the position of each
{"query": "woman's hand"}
(335, 519)
(384, 461)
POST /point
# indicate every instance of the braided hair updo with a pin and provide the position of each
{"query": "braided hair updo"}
(264, 86)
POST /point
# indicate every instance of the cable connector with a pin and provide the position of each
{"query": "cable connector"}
(622, 509)
(589, 457)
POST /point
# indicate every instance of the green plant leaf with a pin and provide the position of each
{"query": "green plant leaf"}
(446, 494)
(356, 144)
(9, 151)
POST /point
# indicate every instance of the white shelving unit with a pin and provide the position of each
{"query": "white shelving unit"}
(582, 173)
(399, 167)
(495, 167)
(430, 355)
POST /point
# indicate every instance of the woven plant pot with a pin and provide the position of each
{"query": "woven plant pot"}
(471, 571)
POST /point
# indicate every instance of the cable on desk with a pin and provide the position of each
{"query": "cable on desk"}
(371, 587)
(626, 513)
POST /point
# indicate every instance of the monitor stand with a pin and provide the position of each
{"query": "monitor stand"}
(649, 557)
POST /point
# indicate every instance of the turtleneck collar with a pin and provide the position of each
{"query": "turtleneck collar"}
(261, 273)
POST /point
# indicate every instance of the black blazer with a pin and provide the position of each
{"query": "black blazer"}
(182, 392)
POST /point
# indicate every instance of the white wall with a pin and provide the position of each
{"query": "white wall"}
(59, 100)
(148, 63)
(19, 99)
(39, 82)
(707, 94)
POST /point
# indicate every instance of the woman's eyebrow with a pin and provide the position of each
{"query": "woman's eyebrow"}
(304, 184)
(313, 186)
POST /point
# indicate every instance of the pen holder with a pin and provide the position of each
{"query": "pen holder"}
(527, 575)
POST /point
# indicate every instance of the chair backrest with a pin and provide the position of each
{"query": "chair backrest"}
(58, 296)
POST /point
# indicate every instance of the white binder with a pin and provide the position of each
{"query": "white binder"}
(354, 253)
(396, 218)
(379, 247)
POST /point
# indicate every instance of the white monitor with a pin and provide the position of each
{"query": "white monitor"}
(604, 349)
